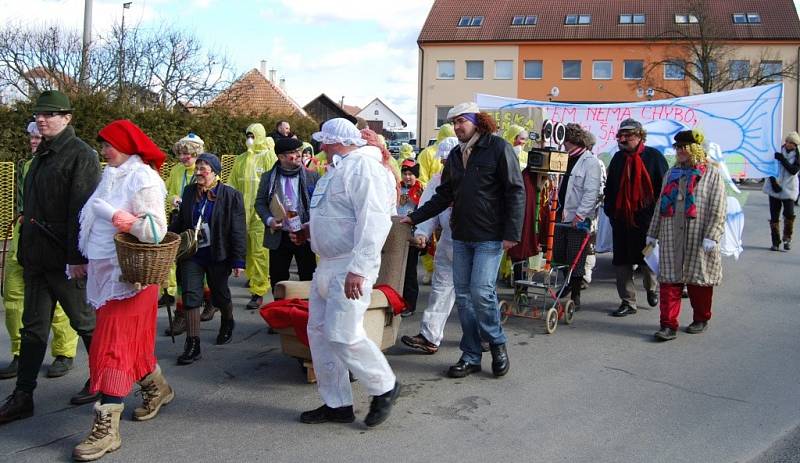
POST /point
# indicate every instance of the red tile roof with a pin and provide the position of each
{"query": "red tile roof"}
(779, 20)
(255, 94)
(352, 110)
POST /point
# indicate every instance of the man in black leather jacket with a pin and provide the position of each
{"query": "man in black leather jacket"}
(483, 183)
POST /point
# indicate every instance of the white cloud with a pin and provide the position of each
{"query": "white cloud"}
(69, 13)
(389, 14)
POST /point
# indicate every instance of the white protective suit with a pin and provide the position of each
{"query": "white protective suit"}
(351, 212)
(443, 295)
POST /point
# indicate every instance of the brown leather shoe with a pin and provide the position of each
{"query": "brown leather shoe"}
(178, 325)
(208, 312)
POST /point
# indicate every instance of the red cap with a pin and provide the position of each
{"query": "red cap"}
(126, 137)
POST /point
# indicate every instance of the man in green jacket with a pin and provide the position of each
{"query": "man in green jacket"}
(62, 176)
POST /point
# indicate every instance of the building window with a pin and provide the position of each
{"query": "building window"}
(633, 69)
(712, 68)
(377, 113)
(686, 19)
(771, 71)
(470, 21)
(674, 70)
(631, 19)
(602, 70)
(475, 70)
(739, 69)
(503, 69)
(571, 69)
(746, 18)
(441, 115)
(446, 70)
(576, 19)
(533, 69)
(521, 20)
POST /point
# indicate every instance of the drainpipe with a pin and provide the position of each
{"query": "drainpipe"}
(419, 97)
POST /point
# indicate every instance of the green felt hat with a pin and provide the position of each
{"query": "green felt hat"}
(52, 101)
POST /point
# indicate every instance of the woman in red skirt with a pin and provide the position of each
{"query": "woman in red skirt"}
(130, 198)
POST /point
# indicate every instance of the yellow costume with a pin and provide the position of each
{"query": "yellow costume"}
(245, 177)
(179, 177)
(429, 165)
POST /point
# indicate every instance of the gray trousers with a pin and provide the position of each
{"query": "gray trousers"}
(625, 286)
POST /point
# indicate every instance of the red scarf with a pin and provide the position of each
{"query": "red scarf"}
(635, 189)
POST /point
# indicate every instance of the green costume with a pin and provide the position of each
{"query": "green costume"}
(245, 177)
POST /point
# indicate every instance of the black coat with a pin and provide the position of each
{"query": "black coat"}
(62, 176)
(488, 197)
(267, 187)
(228, 229)
(629, 241)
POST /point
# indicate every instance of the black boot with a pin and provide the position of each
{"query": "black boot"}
(381, 406)
(226, 327)
(500, 363)
(18, 405)
(575, 292)
(191, 351)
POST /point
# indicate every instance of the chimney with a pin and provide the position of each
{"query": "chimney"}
(283, 83)
(263, 67)
(272, 75)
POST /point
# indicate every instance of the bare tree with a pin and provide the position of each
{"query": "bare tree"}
(701, 53)
(161, 66)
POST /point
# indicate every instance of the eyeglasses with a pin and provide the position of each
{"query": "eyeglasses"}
(47, 115)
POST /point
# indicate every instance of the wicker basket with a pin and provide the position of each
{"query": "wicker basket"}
(146, 264)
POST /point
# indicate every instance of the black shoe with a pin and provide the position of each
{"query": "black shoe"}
(381, 406)
(652, 298)
(166, 300)
(60, 367)
(255, 302)
(84, 396)
(18, 405)
(225, 332)
(685, 293)
(11, 370)
(462, 369)
(623, 311)
(697, 327)
(326, 414)
(500, 363)
(191, 351)
(665, 334)
(485, 346)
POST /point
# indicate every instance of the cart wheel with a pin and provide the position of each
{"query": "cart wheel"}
(523, 299)
(551, 321)
(506, 309)
(569, 312)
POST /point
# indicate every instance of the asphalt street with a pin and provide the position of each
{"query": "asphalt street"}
(599, 390)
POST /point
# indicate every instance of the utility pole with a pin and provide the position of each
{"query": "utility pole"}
(87, 40)
(125, 6)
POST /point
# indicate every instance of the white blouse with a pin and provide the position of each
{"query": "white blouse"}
(133, 187)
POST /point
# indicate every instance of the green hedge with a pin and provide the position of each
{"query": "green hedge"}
(222, 132)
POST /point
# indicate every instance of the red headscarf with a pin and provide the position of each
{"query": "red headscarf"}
(126, 137)
(635, 189)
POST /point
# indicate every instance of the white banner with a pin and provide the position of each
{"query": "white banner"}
(746, 123)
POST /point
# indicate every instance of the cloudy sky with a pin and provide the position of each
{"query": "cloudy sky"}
(357, 49)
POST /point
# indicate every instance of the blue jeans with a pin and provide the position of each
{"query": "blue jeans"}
(475, 266)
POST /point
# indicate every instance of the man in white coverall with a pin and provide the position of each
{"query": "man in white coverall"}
(351, 211)
(443, 295)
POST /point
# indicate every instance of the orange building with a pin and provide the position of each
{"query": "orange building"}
(597, 51)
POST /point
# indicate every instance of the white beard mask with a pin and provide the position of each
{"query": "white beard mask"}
(250, 142)
(518, 149)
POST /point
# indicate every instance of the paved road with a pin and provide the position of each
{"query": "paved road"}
(599, 390)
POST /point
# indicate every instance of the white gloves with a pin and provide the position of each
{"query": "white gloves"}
(650, 240)
(103, 209)
(709, 245)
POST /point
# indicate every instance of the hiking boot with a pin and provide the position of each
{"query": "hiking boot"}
(325, 414)
(10, 371)
(60, 367)
(225, 331)
(697, 327)
(208, 312)
(255, 302)
(84, 396)
(178, 324)
(104, 437)
(420, 343)
(18, 405)
(155, 393)
(381, 406)
(665, 334)
(191, 351)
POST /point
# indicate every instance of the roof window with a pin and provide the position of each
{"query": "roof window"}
(470, 21)
(631, 19)
(522, 20)
(746, 18)
(577, 19)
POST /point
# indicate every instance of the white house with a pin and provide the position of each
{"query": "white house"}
(378, 111)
